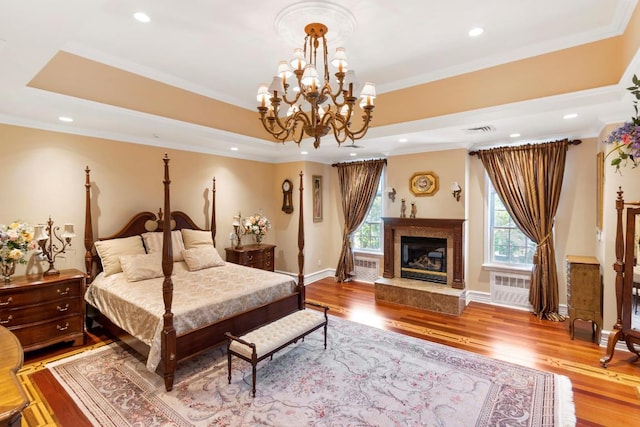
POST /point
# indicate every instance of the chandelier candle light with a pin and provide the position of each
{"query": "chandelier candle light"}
(318, 120)
(44, 234)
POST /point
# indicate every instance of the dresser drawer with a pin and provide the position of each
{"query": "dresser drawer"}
(36, 335)
(37, 313)
(43, 293)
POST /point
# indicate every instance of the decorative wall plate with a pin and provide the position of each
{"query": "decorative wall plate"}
(424, 183)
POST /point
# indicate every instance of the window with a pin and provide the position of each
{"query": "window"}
(507, 244)
(368, 236)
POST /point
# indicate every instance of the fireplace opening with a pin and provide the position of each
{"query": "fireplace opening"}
(424, 258)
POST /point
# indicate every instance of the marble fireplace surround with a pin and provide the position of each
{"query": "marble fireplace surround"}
(450, 229)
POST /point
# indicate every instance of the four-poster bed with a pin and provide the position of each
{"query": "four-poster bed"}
(226, 297)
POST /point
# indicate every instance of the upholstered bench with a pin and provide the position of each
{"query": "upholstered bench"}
(264, 341)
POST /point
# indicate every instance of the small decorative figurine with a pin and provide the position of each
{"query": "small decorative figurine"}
(414, 210)
(403, 209)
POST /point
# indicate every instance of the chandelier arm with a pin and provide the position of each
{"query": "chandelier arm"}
(365, 126)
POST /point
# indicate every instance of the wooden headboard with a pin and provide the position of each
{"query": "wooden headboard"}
(140, 223)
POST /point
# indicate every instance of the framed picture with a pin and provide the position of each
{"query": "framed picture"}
(317, 198)
(423, 183)
(599, 189)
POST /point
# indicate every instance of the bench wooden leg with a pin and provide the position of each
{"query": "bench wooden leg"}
(229, 365)
(253, 378)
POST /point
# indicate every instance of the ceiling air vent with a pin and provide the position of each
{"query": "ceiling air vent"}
(481, 129)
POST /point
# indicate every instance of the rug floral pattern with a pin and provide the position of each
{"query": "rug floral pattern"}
(366, 377)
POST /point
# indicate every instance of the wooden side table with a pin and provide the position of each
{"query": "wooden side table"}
(584, 293)
(256, 256)
(42, 311)
(13, 399)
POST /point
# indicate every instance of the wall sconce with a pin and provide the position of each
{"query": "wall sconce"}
(391, 192)
(456, 190)
(49, 250)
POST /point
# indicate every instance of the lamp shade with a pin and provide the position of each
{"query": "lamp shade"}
(276, 86)
(298, 62)
(455, 186)
(40, 233)
(310, 76)
(263, 94)
(284, 71)
(68, 232)
(368, 91)
(340, 59)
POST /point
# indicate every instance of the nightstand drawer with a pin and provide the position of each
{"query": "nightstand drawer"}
(41, 312)
(43, 293)
(37, 335)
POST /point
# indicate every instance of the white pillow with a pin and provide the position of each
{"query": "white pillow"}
(142, 266)
(111, 250)
(195, 238)
(202, 257)
(153, 243)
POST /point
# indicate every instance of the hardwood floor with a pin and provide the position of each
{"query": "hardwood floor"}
(603, 397)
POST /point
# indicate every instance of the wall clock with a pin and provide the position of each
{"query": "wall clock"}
(287, 196)
(423, 183)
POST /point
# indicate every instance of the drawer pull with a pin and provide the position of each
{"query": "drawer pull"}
(65, 292)
(250, 257)
(63, 328)
(4, 322)
(61, 309)
(9, 300)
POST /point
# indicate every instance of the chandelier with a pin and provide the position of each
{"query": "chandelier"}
(314, 107)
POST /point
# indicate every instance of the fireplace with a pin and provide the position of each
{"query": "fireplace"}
(449, 235)
(423, 258)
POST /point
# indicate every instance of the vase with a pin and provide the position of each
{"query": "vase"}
(258, 239)
(8, 268)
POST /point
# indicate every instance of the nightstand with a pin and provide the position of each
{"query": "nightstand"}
(584, 293)
(41, 310)
(256, 256)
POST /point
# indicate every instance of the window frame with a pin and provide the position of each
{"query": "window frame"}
(379, 193)
(489, 262)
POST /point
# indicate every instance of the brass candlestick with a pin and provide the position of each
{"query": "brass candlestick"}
(49, 250)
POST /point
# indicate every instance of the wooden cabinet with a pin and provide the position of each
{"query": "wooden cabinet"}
(256, 256)
(42, 311)
(584, 293)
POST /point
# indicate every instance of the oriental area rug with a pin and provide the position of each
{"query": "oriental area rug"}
(365, 377)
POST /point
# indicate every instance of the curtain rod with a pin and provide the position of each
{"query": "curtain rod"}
(359, 161)
(571, 142)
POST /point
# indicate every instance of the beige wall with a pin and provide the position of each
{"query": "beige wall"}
(43, 174)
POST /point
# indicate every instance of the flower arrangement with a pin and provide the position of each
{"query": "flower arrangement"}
(258, 225)
(626, 138)
(15, 240)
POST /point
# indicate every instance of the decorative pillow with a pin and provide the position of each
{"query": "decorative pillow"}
(142, 266)
(153, 243)
(202, 257)
(196, 238)
(110, 252)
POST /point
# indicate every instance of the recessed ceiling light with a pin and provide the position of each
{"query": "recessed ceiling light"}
(65, 119)
(141, 17)
(304, 153)
(352, 154)
(234, 148)
(514, 135)
(475, 32)
(570, 116)
(403, 140)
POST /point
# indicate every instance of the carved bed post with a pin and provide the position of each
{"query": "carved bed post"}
(301, 248)
(213, 212)
(88, 227)
(616, 334)
(168, 331)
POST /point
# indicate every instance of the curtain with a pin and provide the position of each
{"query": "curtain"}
(528, 179)
(358, 184)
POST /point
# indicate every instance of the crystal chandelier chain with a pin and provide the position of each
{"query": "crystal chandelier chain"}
(307, 114)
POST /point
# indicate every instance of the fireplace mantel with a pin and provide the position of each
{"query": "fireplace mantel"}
(454, 228)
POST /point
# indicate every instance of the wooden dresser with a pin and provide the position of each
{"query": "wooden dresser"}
(42, 311)
(256, 256)
(584, 293)
(12, 398)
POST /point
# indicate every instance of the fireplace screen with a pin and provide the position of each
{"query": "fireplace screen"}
(424, 258)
